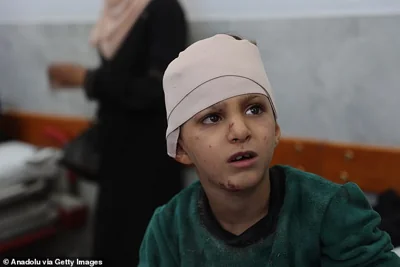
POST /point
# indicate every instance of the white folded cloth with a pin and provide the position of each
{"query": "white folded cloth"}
(20, 162)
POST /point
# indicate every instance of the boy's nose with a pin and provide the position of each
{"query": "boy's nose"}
(238, 132)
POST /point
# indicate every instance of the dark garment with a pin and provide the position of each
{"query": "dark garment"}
(4, 137)
(136, 174)
(388, 206)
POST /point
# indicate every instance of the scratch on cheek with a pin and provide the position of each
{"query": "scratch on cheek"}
(265, 138)
(230, 185)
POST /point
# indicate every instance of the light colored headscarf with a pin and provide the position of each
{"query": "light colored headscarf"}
(208, 72)
(117, 18)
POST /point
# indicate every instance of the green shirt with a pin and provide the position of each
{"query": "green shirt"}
(319, 224)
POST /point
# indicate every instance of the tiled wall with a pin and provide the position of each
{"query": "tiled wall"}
(334, 78)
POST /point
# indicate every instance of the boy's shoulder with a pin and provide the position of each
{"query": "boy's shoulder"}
(181, 206)
(307, 181)
(308, 187)
(311, 192)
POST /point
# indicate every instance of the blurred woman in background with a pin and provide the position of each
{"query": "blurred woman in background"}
(136, 39)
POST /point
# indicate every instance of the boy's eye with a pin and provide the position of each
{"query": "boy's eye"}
(254, 110)
(213, 118)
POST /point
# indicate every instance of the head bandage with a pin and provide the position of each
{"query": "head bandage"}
(208, 72)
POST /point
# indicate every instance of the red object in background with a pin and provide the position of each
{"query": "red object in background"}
(28, 239)
(67, 220)
(71, 218)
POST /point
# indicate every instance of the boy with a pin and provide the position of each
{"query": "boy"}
(222, 119)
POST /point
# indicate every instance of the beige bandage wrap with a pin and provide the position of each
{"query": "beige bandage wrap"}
(208, 72)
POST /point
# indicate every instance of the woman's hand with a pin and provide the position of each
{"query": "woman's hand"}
(66, 75)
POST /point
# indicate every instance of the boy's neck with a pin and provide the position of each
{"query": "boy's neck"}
(237, 212)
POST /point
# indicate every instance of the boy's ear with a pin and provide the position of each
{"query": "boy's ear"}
(181, 155)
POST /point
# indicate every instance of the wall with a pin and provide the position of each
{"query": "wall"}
(330, 74)
(62, 11)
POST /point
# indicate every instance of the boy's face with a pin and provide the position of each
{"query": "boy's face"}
(212, 139)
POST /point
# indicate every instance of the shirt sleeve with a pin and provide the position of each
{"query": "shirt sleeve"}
(350, 233)
(167, 38)
(156, 249)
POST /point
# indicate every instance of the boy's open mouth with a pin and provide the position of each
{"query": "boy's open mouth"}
(241, 156)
